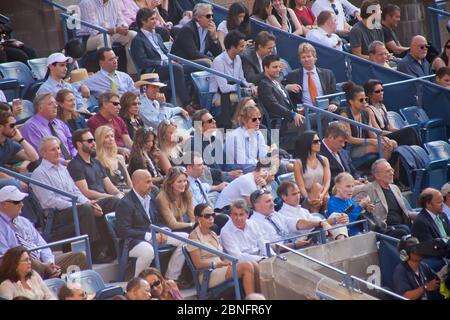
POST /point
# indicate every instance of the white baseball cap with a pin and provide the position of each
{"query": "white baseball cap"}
(58, 57)
(11, 193)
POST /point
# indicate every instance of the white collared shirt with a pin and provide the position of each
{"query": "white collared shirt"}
(321, 36)
(202, 35)
(315, 77)
(286, 224)
(298, 213)
(246, 245)
(145, 201)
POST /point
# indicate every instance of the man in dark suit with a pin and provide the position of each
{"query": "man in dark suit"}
(150, 54)
(274, 98)
(252, 57)
(312, 81)
(135, 214)
(198, 37)
(332, 147)
(431, 223)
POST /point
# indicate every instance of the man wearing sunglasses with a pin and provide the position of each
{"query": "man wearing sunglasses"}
(16, 230)
(13, 147)
(415, 62)
(198, 37)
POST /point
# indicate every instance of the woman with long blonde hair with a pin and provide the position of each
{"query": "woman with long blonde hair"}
(174, 202)
(113, 162)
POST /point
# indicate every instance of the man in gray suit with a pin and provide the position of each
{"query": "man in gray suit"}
(252, 57)
(323, 80)
(390, 208)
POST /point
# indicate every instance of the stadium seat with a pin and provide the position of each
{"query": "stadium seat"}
(54, 284)
(11, 88)
(439, 150)
(284, 72)
(203, 292)
(21, 72)
(91, 282)
(431, 129)
(168, 45)
(201, 84)
(38, 67)
(28, 111)
(134, 62)
(398, 122)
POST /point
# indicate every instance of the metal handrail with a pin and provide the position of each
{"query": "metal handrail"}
(322, 233)
(55, 4)
(233, 260)
(201, 67)
(332, 115)
(347, 278)
(72, 198)
(84, 238)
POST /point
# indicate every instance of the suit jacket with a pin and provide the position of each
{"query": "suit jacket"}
(251, 67)
(187, 43)
(424, 227)
(410, 66)
(145, 54)
(374, 191)
(276, 104)
(131, 220)
(327, 81)
(335, 166)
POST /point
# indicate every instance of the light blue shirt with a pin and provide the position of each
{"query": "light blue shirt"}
(26, 230)
(152, 114)
(100, 82)
(224, 64)
(53, 86)
(202, 35)
(197, 195)
(151, 36)
(58, 177)
(244, 148)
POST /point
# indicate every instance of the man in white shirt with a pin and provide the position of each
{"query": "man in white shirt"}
(325, 32)
(243, 186)
(340, 8)
(290, 194)
(273, 225)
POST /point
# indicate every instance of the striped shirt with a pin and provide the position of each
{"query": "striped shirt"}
(106, 15)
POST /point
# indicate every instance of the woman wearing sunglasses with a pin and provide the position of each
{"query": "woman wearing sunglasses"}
(129, 112)
(360, 141)
(146, 155)
(161, 288)
(201, 259)
(443, 59)
(113, 162)
(174, 202)
(379, 116)
(312, 171)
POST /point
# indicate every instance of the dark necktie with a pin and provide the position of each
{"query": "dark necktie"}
(205, 196)
(279, 231)
(27, 244)
(65, 152)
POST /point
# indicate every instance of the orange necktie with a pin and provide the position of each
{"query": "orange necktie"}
(312, 87)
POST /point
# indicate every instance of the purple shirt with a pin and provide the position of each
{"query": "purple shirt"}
(25, 228)
(37, 128)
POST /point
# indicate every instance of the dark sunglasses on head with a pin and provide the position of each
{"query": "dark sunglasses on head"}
(424, 46)
(14, 202)
(257, 118)
(336, 11)
(209, 120)
(316, 141)
(208, 215)
(89, 140)
(116, 104)
(379, 91)
(364, 100)
(155, 284)
(208, 16)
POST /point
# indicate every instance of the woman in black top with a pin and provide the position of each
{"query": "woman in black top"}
(362, 141)
(129, 112)
(286, 19)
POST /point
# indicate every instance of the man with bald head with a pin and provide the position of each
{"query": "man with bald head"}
(431, 223)
(415, 62)
(135, 214)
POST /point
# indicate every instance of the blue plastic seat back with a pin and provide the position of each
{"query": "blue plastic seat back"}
(414, 115)
(90, 280)
(389, 259)
(201, 84)
(38, 67)
(11, 88)
(438, 150)
(436, 170)
(54, 284)
(134, 61)
(20, 71)
(111, 223)
(28, 111)
(396, 119)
